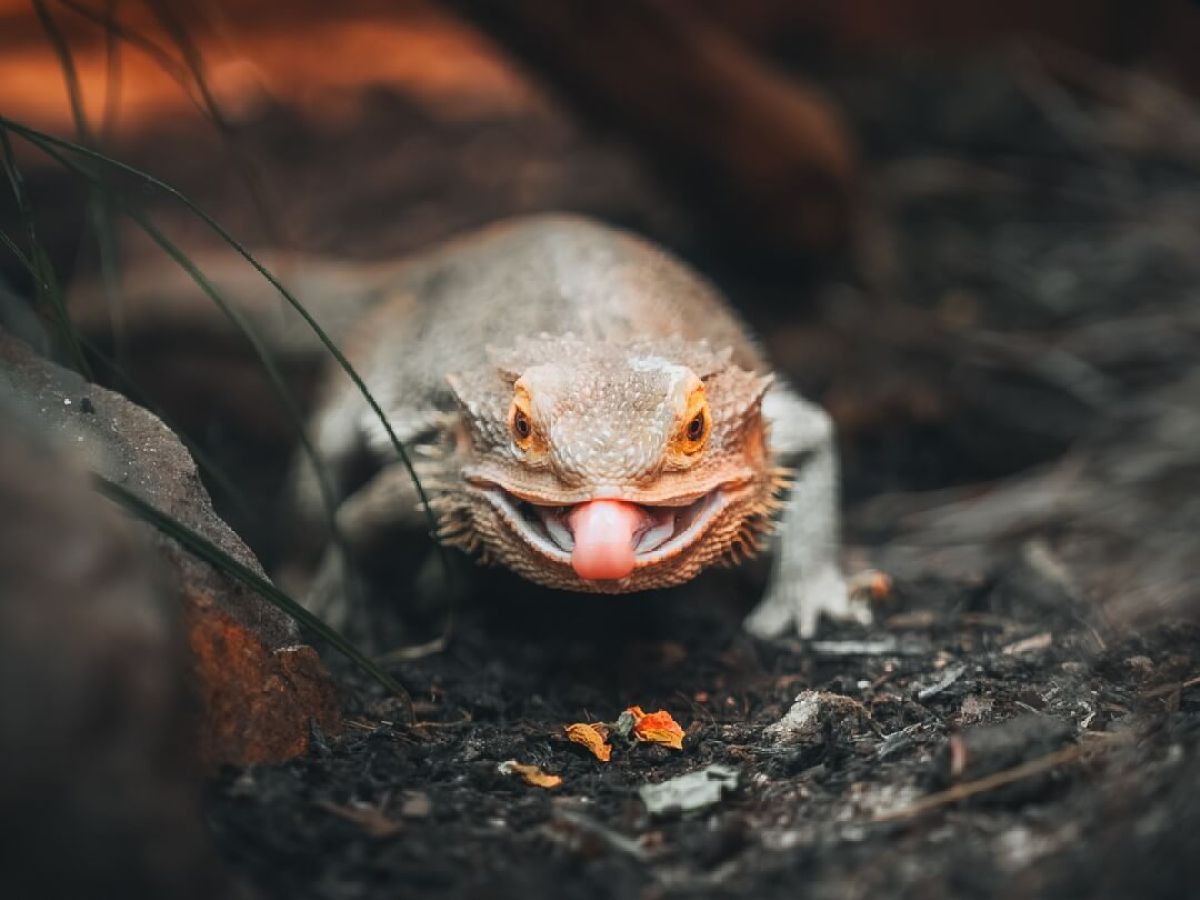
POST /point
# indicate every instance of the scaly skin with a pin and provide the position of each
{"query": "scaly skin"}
(557, 380)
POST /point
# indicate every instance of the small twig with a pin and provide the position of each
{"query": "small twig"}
(466, 719)
(1031, 644)
(413, 652)
(983, 785)
(884, 647)
(1164, 689)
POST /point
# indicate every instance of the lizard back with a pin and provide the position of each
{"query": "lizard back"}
(551, 274)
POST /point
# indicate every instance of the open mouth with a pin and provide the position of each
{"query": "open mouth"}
(663, 531)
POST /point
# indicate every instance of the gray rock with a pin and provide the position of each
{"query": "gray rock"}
(257, 684)
(130, 446)
(98, 790)
(691, 792)
(806, 720)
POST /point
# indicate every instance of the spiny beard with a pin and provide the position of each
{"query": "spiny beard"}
(739, 533)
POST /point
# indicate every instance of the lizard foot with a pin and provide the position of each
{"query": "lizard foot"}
(797, 604)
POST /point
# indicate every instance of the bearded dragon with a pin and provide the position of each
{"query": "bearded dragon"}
(587, 411)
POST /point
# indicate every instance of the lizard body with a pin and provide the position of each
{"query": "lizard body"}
(587, 411)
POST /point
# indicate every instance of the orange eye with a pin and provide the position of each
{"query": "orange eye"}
(697, 424)
(520, 421)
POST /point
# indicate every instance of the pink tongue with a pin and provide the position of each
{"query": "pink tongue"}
(604, 533)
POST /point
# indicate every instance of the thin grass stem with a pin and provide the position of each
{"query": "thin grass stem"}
(45, 141)
(48, 294)
(204, 549)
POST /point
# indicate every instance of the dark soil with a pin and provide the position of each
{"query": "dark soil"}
(1114, 824)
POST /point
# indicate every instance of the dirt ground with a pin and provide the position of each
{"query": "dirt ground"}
(393, 811)
(1017, 325)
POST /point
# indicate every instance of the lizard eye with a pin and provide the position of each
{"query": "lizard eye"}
(520, 422)
(698, 419)
(520, 425)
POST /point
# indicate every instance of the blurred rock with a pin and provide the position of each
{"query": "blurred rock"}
(811, 714)
(258, 685)
(691, 792)
(98, 792)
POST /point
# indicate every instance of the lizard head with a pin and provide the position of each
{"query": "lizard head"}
(602, 467)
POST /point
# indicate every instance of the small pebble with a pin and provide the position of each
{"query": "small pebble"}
(416, 805)
(1140, 665)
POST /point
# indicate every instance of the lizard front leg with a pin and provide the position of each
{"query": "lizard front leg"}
(806, 578)
(392, 572)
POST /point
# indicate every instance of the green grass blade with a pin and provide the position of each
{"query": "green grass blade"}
(49, 296)
(112, 77)
(189, 75)
(193, 62)
(45, 141)
(16, 251)
(208, 466)
(140, 41)
(265, 357)
(200, 547)
(99, 214)
(215, 473)
(66, 62)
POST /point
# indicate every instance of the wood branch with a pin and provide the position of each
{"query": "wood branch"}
(762, 154)
(983, 785)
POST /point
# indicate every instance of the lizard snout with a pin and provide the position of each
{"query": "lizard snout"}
(606, 539)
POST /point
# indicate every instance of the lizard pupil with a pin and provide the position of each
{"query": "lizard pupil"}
(521, 425)
(695, 429)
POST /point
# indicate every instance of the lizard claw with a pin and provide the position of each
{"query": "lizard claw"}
(799, 603)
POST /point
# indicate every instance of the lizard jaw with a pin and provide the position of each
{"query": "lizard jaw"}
(667, 530)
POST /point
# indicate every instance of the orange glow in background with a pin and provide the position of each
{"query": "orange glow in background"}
(314, 56)
(316, 65)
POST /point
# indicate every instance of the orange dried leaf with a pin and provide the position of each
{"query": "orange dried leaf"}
(656, 728)
(880, 586)
(531, 774)
(594, 737)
